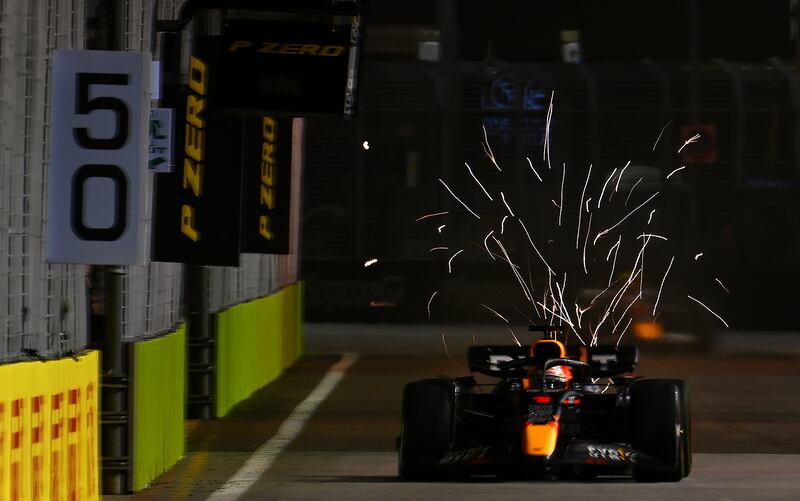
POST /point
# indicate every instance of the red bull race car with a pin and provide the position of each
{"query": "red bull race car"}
(550, 412)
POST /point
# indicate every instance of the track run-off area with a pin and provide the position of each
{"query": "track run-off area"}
(326, 429)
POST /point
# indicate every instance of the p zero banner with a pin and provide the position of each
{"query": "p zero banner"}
(97, 163)
(293, 69)
(196, 213)
(266, 184)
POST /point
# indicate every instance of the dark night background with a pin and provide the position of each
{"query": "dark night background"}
(728, 65)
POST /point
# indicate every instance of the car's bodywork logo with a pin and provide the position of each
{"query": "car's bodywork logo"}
(605, 454)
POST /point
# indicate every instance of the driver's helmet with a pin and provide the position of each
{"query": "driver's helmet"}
(557, 377)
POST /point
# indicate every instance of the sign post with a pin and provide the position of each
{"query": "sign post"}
(160, 150)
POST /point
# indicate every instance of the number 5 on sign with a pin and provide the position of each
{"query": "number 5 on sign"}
(98, 155)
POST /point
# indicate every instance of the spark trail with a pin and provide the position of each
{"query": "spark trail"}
(608, 283)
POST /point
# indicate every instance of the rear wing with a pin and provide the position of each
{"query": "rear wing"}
(604, 360)
(487, 359)
(607, 360)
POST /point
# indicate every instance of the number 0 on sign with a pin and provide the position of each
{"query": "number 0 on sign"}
(98, 155)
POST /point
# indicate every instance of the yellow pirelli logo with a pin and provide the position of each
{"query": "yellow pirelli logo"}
(291, 49)
(269, 174)
(194, 145)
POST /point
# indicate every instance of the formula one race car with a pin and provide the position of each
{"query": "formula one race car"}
(554, 413)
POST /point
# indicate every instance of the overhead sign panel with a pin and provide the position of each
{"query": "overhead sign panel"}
(196, 214)
(97, 162)
(288, 68)
(266, 184)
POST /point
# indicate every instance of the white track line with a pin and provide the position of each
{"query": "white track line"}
(261, 460)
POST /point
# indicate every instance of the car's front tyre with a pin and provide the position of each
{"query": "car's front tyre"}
(660, 424)
(427, 427)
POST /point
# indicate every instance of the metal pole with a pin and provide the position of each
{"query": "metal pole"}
(115, 439)
(200, 338)
(114, 391)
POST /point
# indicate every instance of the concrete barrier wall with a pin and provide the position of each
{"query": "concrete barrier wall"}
(159, 404)
(256, 341)
(49, 428)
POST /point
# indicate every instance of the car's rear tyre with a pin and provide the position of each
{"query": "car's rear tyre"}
(660, 422)
(427, 427)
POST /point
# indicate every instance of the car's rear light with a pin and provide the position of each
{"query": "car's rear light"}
(647, 330)
(542, 399)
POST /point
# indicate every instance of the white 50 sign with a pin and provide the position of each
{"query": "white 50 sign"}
(98, 142)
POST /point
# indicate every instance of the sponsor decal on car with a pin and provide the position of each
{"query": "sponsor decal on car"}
(540, 413)
(473, 455)
(604, 454)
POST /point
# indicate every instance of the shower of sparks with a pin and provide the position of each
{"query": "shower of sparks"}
(534, 170)
(585, 241)
(440, 228)
(549, 269)
(479, 183)
(530, 282)
(426, 216)
(689, 141)
(624, 330)
(654, 195)
(365, 145)
(514, 270)
(488, 149)
(580, 212)
(676, 170)
(370, 262)
(546, 148)
(485, 245)
(504, 319)
(709, 309)
(450, 261)
(622, 316)
(621, 173)
(544, 289)
(614, 263)
(444, 343)
(658, 298)
(722, 285)
(459, 200)
(651, 235)
(612, 306)
(661, 133)
(496, 255)
(429, 303)
(506, 204)
(526, 317)
(561, 203)
(600, 198)
(631, 192)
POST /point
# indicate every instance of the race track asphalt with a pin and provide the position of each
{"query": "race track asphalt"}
(746, 425)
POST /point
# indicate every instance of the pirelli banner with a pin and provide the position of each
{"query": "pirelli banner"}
(294, 69)
(266, 184)
(197, 207)
(49, 429)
